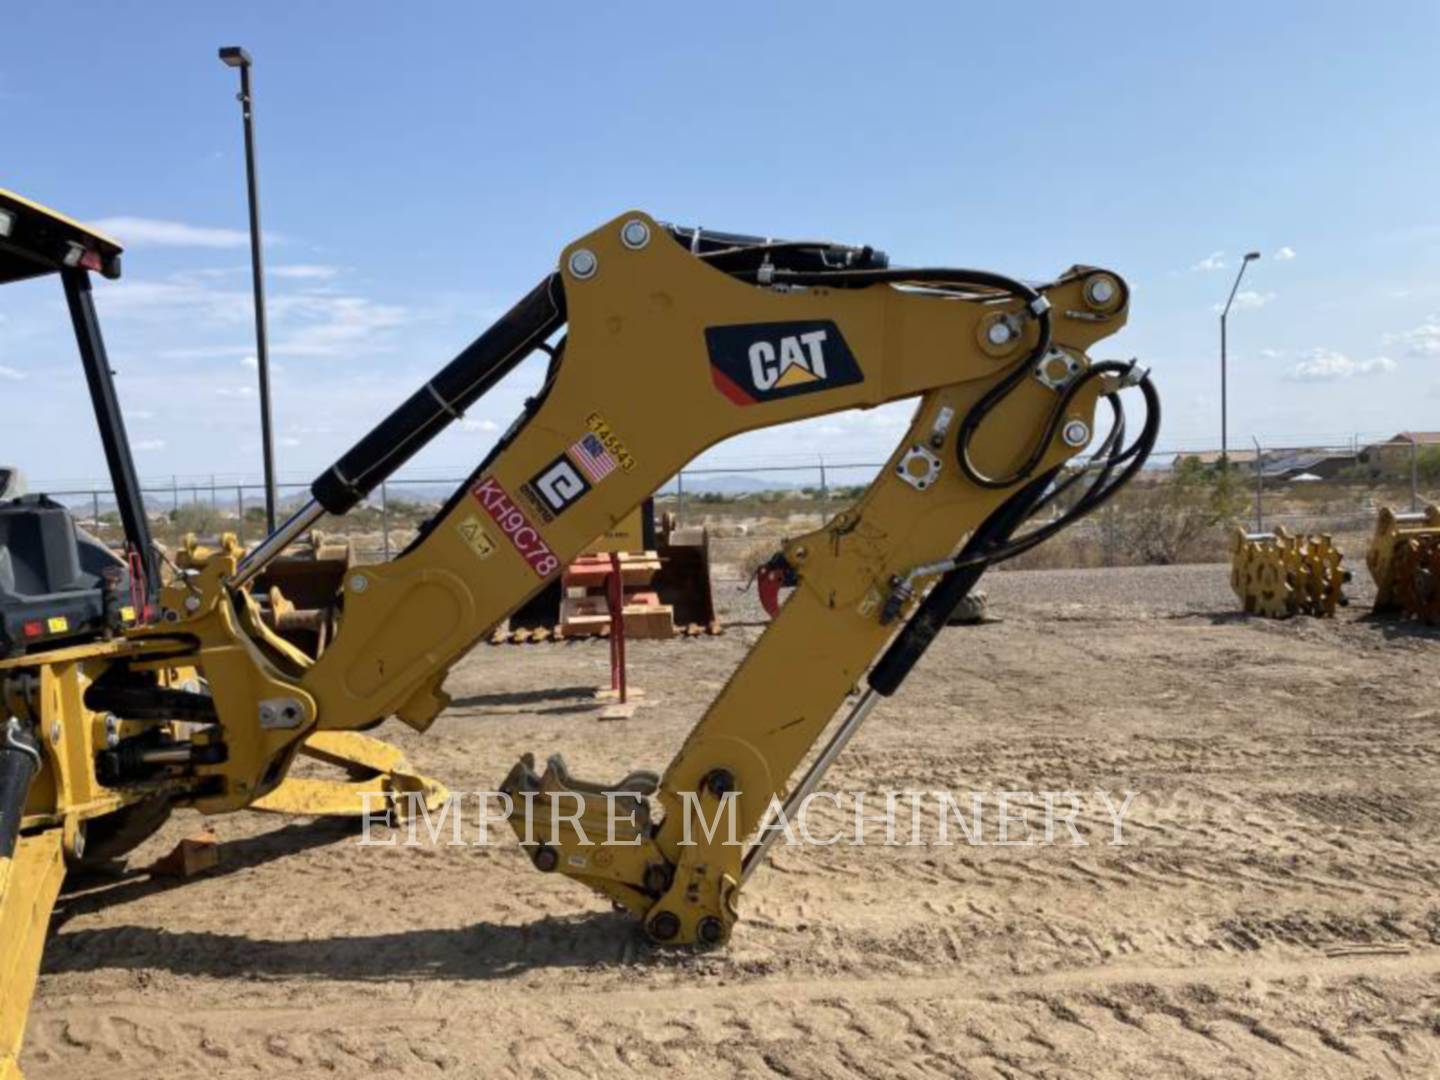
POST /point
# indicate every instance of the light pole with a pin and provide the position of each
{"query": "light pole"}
(236, 57)
(1250, 256)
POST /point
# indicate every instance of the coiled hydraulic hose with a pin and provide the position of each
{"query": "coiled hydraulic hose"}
(992, 541)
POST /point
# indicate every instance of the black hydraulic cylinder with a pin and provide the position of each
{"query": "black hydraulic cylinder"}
(19, 762)
(935, 610)
(443, 399)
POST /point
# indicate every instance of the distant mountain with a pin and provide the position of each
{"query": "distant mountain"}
(742, 484)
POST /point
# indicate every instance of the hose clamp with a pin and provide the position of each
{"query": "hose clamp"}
(14, 739)
(1134, 375)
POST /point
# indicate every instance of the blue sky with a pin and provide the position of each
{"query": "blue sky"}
(422, 165)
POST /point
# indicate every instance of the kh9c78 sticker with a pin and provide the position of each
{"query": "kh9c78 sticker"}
(516, 526)
(757, 362)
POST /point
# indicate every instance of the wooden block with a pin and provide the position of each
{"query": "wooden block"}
(591, 571)
(584, 618)
(193, 855)
(649, 622)
(586, 572)
(618, 711)
(632, 693)
(585, 626)
(638, 570)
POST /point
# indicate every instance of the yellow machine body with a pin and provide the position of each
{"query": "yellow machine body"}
(642, 377)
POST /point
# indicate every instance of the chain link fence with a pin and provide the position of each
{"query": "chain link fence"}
(1334, 489)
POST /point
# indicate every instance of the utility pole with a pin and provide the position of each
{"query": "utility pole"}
(1224, 416)
(236, 57)
(1259, 486)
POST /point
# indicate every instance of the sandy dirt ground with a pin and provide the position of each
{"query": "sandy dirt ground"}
(1274, 911)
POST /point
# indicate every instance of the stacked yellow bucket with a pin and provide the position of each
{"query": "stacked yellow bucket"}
(1404, 560)
(1277, 575)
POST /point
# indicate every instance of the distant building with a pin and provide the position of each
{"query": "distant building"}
(1393, 455)
(1286, 465)
(1281, 465)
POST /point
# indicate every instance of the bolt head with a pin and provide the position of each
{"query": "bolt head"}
(999, 333)
(635, 234)
(1076, 433)
(1101, 289)
(583, 263)
(192, 603)
(359, 583)
(664, 926)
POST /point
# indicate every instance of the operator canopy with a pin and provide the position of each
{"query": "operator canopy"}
(35, 240)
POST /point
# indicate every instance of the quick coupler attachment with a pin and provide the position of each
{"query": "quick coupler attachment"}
(603, 835)
(597, 833)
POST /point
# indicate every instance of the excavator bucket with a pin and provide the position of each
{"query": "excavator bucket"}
(1403, 563)
(1277, 575)
(300, 589)
(665, 573)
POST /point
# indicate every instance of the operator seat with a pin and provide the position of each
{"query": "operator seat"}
(52, 575)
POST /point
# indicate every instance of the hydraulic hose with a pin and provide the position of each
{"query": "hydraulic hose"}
(19, 762)
(992, 542)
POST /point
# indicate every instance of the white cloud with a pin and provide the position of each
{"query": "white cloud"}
(139, 232)
(1248, 300)
(1424, 340)
(307, 322)
(148, 444)
(7, 372)
(303, 272)
(479, 425)
(1214, 261)
(206, 352)
(178, 300)
(1327, 365)
(334, 325)
(1285, 254)
(252, 362)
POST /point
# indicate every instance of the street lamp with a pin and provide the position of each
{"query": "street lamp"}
(1250, 256)
(236, 57)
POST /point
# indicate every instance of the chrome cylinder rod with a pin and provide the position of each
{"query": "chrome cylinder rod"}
(275, 543)
(772, 830)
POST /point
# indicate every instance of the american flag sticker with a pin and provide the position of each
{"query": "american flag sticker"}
(594, 460)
